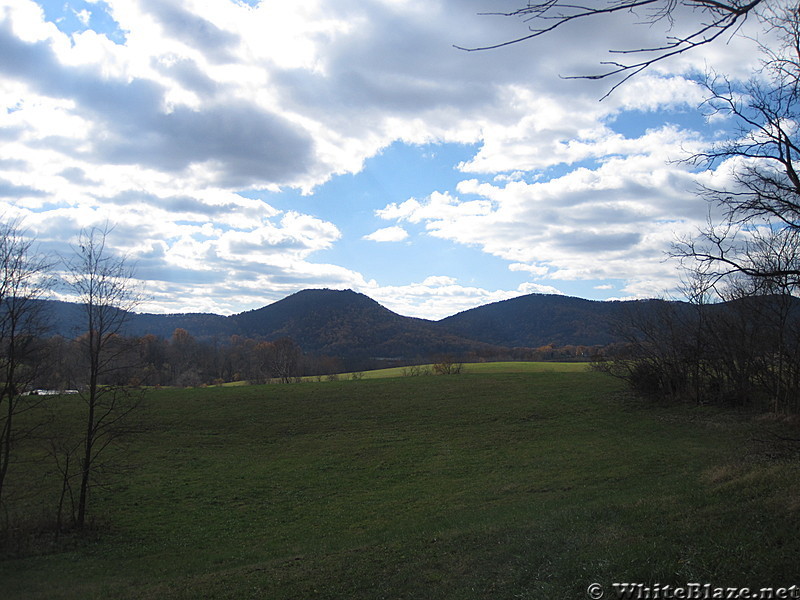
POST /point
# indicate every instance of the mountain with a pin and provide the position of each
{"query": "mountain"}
(203, 326)
(540, 319)
(349, 324)
(67, 319)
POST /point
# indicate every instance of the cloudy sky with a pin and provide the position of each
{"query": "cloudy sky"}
(245, 150)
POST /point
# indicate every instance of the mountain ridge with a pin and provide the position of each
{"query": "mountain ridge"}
(351, 324)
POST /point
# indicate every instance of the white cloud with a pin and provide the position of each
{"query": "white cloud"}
(388, 234)
(437, 206)
(441, 296)
(535, 288)
(83, 16)
(536, 270)
(441, 281)
(617, 220)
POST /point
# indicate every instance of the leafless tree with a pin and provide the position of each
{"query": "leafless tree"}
(285, 359)
(704, 21)
(64, 450)
(763, 321)
(737, 342)
(761, 201)
(21, 324)
(657, 354)
(103, 283)
(447, 365)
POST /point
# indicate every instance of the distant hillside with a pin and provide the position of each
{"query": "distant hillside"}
(540, 319)
(349, 324)
(67, 319)
(346, 323)
(204, 326)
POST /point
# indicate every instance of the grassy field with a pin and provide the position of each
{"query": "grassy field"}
(482, 485)
(480, 368)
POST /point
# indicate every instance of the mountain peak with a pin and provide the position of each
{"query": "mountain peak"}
(327, 295)
(316, 300)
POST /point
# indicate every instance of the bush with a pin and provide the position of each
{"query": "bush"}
(416, 371)
(447, 366)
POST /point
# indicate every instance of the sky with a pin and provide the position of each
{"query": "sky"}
(241, 151)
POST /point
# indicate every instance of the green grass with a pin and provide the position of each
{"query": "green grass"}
(485, 368)
(483, 485)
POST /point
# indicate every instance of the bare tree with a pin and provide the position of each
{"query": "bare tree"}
(64, 450)
(705, 21)
(761, 202)
(21, 325)
(446, 364)
(770, 304)
(104, 285)
(284, 359)
(737, 342)
(657, 354)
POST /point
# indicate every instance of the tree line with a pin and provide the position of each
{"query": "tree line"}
(740, 344)
(744, 352)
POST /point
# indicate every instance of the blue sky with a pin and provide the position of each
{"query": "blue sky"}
(244, 151)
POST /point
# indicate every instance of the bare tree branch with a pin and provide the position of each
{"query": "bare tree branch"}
(724, 18)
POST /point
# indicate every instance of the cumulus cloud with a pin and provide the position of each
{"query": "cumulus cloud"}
(614, 221)
(440, 296)
(533, 269)
(438, 206)
(535, 288)
(388, 234)
(83, 16)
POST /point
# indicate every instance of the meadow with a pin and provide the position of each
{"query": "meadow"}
(488, 484)
(474, 368)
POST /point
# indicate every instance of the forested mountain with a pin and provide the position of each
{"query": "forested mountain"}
(346, 324)
(68, 320)
(350, 324)
(540, 319)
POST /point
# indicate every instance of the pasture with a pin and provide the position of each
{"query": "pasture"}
(481, 485)
(474, 368)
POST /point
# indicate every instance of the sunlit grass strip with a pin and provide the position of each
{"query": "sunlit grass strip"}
(476, 368)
